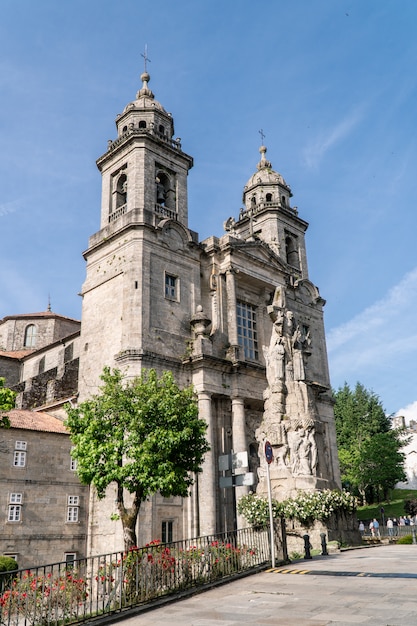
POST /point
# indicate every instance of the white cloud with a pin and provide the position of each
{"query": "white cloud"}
(8, 207)
(409, 412)
(378, 347)
(315, 151)
(370, 328)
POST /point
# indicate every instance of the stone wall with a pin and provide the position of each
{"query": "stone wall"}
(42, 535)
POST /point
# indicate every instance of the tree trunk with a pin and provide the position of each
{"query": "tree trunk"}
(129, 517)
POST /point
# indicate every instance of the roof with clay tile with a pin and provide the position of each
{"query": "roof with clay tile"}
(32, 420)
(15, 354)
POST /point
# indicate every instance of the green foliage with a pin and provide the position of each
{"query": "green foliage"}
(381, 461)
(307, 507)
(39, 599)
(143, 434)
(7, 564)
(410, 506)
(370, 454)
(7, 401)
(405, 539)
(255, 509)
(170, 566)
(395, 507)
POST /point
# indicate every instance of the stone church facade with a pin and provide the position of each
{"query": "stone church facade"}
(156, 297)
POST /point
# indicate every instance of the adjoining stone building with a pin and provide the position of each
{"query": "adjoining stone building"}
(156, 297)
(42, 503)
(39, 359)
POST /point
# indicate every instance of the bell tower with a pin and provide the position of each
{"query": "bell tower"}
(144, 168)
(267, 215)
(140, 263)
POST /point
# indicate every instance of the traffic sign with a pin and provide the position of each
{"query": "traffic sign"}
(269, 453)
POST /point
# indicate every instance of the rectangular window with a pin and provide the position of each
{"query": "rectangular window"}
(73, 462)
(72, 509)
(14, 513)
(20, 445)
(167, 528)
(246, 330)
(69, 353)
(171, 287)
(70, 558)
(15, 498)
(19, 459)
(72, 514)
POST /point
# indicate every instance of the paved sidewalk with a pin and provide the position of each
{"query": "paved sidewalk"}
(372, 586)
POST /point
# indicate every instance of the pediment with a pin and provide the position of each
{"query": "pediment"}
(174, 235)
(307, 292)
(260, 252)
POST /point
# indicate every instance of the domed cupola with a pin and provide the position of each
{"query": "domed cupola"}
(144, 170)
(266, 188)
(146, 114)
(268, 217)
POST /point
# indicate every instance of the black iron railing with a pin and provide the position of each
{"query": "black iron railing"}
(64, 593)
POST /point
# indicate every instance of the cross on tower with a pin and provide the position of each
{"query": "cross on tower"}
(145, 56)
(262, 134)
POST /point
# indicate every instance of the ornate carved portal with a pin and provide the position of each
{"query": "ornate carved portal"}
(290, 421)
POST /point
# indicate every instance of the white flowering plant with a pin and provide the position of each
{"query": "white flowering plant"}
(306, 507)
(255, 509)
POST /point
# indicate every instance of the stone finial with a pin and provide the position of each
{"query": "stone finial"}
(145, 91)
(263, 163)
(200, 322)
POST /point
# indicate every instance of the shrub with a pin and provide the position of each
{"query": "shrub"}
(306, 507)
(41, 599)
(7, 564)
(410, 506)
(406, 539)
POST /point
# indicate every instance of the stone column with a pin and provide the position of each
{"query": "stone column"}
(191, 519)
(207, 480)
(239, 445)
(231, 313)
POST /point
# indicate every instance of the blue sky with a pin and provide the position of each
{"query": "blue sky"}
(332, 83)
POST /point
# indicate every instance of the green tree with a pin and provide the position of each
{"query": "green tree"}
(144, 434)
(7, 400)
(370, 456)
(381, 462)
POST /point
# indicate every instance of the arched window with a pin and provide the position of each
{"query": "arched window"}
(283, 201)
(161, 129)
(268, 197)
(165, 195)
(121, 191)
(292, 252)
(142, 124)
(41, 365)
(253, 202)
(124, 129)
(30, 336)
